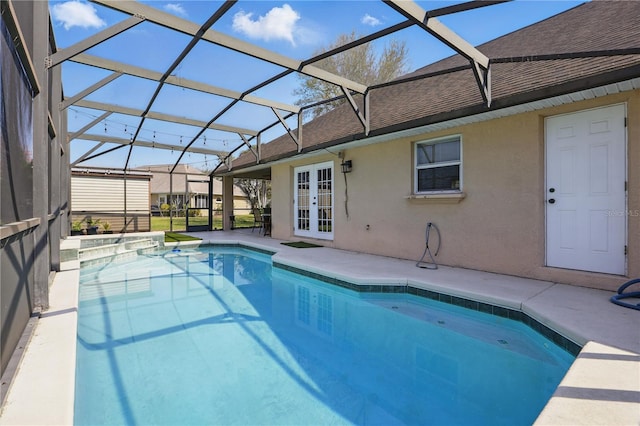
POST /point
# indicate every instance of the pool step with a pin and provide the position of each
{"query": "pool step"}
(72, 256)
(124, 286)
(141, 244)
(108, 250)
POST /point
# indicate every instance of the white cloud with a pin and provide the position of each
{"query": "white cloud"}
(278, 24)
(77, 14)
(370, 20)
(175, 8)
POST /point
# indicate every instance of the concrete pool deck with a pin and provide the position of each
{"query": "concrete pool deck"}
(601, 387)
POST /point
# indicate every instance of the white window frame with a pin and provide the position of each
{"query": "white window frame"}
(417, 167)
(201, 201)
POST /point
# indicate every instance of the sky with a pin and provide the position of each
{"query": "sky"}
(295, 29)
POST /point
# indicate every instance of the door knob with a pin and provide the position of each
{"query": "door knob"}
(552, 200)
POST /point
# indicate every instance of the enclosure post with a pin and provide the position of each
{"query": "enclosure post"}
(65, 177)
(210, 203)
(171, 201)
(58, 151)
(227, 202)
(39, 51)
(186, 199)
(125, 199)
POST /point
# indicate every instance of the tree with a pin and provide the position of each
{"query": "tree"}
(359, 64)
(258, 191)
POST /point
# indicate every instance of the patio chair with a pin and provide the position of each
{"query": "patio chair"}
(266, 222)
(258, 221)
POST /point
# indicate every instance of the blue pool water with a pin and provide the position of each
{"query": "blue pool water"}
(219, 336)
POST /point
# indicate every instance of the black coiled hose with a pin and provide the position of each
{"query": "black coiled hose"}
(427, 251)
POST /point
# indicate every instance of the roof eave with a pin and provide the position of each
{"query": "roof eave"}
(518, 99)
(478, 110)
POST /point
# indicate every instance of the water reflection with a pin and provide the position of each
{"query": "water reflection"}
(295, 350)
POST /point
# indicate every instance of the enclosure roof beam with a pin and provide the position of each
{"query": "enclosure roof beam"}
(288, 129)
(196, 37)
(161, 116)
(71, 51)
(220, 39)
(433, 26)
(363, 40)
(213, 120)
(173, 80)
(86, 154)
(364, 118)
(463, 7)
(147, 144)
(253, 151)
(86, 92)
(74, 135)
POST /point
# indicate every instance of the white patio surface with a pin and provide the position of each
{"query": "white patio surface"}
(601, 388)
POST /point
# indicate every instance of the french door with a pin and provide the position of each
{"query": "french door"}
(313, 201)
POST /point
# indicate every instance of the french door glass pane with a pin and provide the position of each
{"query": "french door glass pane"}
(303, 200)
(324, 200)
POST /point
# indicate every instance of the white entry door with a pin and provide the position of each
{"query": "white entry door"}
(313, 201)
(586, 190)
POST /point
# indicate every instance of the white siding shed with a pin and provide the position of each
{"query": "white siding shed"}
(100, 194)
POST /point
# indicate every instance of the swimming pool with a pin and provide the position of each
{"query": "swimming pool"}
(220, 336)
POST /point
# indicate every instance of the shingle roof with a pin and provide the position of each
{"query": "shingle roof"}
(161, 179)
(598, 25)
(559, 55)
(196, 179)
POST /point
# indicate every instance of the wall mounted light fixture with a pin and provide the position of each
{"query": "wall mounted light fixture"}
(346, 166)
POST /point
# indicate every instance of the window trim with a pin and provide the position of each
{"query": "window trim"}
(416, 167)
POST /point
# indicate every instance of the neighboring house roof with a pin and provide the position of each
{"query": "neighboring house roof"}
(196, 181)
(591, 45)
(109, 173)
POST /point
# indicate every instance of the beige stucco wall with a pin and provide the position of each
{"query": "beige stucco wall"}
(499, 226)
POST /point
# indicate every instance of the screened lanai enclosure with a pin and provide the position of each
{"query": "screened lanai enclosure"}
(107, 98)
(127, 112)
(136, 85)
(209, 92)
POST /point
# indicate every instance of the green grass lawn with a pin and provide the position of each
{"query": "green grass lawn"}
(159, 223)
(172, 237)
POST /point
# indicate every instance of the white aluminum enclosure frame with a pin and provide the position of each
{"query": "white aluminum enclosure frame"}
(139, 13)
